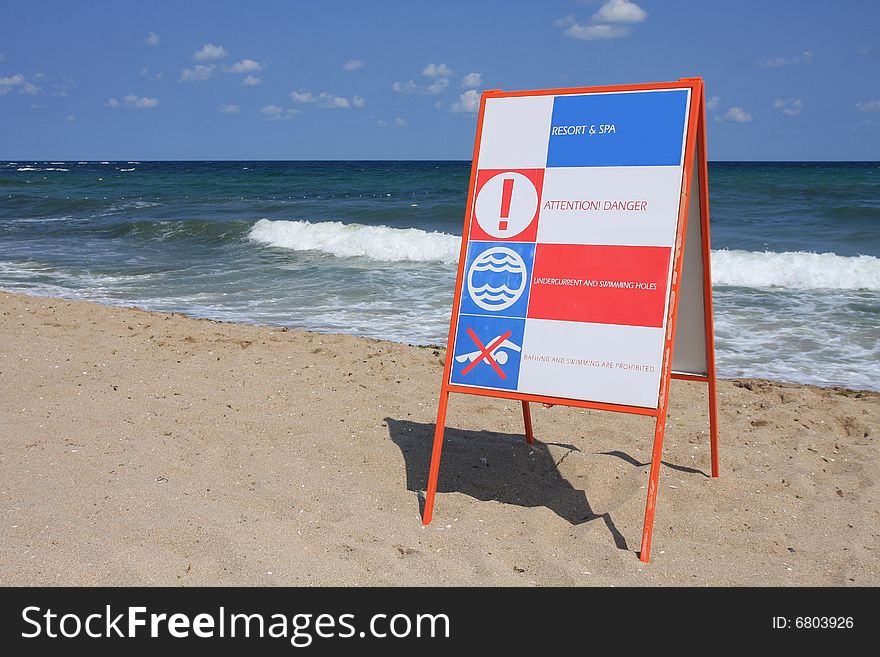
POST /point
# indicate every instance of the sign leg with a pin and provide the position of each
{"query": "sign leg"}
(707, 289)
(527, 420)
(434, 472)
(653, 477)
(713, 426)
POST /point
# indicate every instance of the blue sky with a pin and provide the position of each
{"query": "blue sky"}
(789, 80)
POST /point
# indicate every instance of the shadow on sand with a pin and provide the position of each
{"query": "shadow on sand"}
(488, 465)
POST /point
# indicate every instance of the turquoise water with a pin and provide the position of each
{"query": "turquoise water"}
(370, 248)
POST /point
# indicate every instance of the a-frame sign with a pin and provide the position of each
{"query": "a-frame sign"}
(584, 275)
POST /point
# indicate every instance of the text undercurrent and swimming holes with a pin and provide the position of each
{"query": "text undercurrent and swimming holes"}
(605, 284)
(592, 282)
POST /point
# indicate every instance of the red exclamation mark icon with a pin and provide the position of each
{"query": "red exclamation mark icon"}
(506, 193)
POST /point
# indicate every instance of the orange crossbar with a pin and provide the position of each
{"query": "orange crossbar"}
(555, 401)
(690, 377)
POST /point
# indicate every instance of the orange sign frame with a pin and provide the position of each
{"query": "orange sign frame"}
(694, 156)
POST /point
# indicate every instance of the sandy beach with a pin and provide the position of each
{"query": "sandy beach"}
(155, 449)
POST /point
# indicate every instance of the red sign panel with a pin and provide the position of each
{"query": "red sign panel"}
(600, 284)
(507, 204)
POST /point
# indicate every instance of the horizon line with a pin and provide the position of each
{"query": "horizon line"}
(127, 160)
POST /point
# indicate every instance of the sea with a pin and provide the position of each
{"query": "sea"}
(370, 248)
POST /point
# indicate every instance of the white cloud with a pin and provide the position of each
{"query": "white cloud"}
(135, 102)
(229, 109)
(37, 76)
(276, 113)
(152, 39)
(252, 81)
(399, 122)
(611, 21)
(789, 107)
(713, 103)
(326, 100)
(7, 84)
(436, 71)
(18, 81)
(408, 87)
(620, 11)
(868, 106)
(139, 102)
(468, 102)
(209, 52)
(777, 62)
(70, 118)
(198, 72)
(564, 22)
(63, 86)
(437, 86)
(735, 114)
(472, 81)
(147, 73)
(867, 50)
(329, 101)
(594, 32)
(303, 97)
(353, 65)
(245, 66)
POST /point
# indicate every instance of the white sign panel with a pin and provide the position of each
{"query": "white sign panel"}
(570, 245)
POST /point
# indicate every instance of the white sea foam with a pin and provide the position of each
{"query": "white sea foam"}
(24, 269)
(36, 273)
(42, 220)
(791, 270)
(356, 240)
(795, 270)
(123, 206)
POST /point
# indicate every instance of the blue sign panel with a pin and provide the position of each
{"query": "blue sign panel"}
(618, 129)
(497, 278)
(488, 351)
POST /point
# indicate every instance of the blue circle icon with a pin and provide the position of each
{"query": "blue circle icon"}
(497, 278)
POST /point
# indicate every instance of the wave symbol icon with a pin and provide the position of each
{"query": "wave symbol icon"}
(497, 279)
